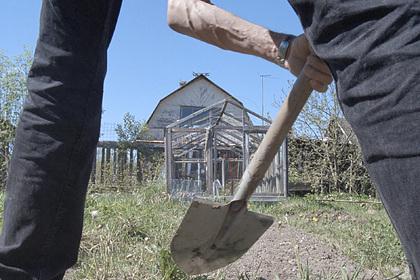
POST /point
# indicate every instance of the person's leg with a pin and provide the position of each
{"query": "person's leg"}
(388, 128)
(58, 277)
(55, 140)
(373, 51)
(398, 181)
(387, 123)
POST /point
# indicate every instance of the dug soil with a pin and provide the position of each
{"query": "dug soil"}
(285, 252)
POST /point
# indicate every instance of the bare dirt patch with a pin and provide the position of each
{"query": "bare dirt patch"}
(279, 251)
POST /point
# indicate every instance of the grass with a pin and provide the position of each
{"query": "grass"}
(127, 235)
(304, 273)
(361, 231)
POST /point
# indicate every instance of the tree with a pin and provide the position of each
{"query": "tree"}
(323, 151)
(130, 130)
(13, 90)
(148, 161)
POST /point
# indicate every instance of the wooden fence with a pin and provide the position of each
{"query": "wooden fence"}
(115, 162)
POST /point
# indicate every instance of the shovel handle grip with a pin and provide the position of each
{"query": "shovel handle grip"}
(273, 139)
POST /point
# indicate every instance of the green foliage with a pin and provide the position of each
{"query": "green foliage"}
(131, 130)
(122, 178)
(170, 270)
(131, 133)
(323, 150)
(328, 166)
(305, 273)
(127, 235)
(304, 270)
(129, 162)
(13, 90)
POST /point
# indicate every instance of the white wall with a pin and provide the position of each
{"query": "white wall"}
(200, 93)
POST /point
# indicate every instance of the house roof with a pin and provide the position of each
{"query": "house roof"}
(199, 77)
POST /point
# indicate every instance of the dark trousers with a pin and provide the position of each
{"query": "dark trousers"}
(373, 50)
(55, 140)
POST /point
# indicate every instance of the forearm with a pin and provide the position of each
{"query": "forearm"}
(213, 25)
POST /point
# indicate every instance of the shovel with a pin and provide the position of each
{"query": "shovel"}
(213, 235)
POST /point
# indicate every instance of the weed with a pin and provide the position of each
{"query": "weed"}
(168, 268)
(373, 240)
(127, 234)
(304, 271)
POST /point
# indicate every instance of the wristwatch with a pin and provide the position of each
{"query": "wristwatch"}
(282, 50)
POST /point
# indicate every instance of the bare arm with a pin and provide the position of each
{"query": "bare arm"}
(206, 22)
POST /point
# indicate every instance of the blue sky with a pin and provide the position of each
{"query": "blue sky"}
(147, 59)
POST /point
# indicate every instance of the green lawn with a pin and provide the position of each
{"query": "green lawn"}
(127, 234)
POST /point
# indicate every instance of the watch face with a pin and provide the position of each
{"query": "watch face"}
(284, 45)
(282, 51)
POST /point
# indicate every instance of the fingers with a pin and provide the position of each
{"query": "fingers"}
(318, 72)
(301, 58)
(318, 86)
(318, 64)
(300, 46)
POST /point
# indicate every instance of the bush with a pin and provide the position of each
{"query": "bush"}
(13, 90)
(323, 150)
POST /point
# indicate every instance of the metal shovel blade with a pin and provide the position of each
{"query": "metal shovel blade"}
(213, 235)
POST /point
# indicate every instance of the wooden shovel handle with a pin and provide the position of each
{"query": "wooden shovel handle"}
(273, 139)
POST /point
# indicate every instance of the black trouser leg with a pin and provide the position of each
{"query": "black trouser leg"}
(55, 140)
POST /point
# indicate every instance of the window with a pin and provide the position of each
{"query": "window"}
(188, 110)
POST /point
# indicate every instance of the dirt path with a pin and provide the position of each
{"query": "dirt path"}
(281, 247)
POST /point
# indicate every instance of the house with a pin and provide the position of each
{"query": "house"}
(209, 138)
(190, 97)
